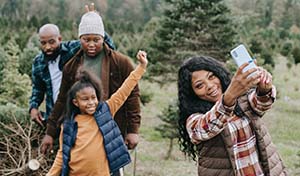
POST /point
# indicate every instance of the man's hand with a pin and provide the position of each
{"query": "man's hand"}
(131, 140)
(47, 144)
(36, 116)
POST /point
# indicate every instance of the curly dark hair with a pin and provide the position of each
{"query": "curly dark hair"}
(189, 102)
(84, 79)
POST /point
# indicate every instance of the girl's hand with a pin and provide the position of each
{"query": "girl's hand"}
(142, 57)
(265, 84)
(240, 84)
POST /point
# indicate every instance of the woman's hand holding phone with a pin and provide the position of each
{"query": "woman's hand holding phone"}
(257, 76)
(241, 56)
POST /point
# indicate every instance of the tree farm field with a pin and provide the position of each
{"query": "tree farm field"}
(283, 122)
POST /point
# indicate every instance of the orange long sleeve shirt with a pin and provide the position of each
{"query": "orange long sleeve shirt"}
(88, 155)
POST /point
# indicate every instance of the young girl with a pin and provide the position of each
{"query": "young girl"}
(90, 140)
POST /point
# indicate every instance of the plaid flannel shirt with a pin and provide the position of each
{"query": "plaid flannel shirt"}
(41, 80)
(202, 127)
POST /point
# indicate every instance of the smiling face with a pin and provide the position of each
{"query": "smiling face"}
(86, 100)
(92, 44)
(206, 85)
(50, 41)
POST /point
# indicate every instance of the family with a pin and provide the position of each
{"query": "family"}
(93, 107)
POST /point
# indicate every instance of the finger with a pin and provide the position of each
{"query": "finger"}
(268, 75)
(126, 142)
(139, 54)
(86, 7)
(264, 77)
(92, 7)
(269, 78)
(255, 61)
(241, 68)
(38, 119)
(256, 76)
(39, 122)
(144, 54)
(132, 145)
(254, 80)
(249, 72)
(41, 117)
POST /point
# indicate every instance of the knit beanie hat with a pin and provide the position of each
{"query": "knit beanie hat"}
(91, 23)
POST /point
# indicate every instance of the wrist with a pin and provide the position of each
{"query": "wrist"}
(33, 110)
(263, 92)
(228, 99)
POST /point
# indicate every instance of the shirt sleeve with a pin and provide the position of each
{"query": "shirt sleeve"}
(57, 164)
(38, 90)
(261, 104)
(202, 127)
(108, 40)
(71, 44)
(132, 104)
(120, 96)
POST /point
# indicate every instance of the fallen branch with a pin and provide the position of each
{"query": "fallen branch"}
(19, 146)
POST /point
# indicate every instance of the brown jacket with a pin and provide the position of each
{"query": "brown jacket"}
(115, 69)
(216, 156)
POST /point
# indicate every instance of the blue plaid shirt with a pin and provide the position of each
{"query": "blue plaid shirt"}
(41, 80)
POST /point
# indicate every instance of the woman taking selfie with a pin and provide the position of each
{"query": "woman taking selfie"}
(220, 120)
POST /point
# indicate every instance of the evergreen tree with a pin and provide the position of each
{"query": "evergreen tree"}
(2, 63)
(287, 20)
(15, 88)
(169, 128)
(191, 27)
(26, 59)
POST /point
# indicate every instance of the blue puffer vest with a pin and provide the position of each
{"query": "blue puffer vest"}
(116, 151)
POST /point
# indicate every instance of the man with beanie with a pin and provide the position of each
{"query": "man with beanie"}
(47, 69)
(111, 66)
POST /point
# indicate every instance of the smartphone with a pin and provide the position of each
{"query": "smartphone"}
(240, 55)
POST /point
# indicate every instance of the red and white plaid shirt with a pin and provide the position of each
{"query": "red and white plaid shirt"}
(202, 127)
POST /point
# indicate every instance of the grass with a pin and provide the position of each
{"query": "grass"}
(283, 122)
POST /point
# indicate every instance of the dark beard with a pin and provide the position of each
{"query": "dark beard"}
(53, 56)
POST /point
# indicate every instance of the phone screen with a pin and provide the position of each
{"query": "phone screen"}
(240, 55)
